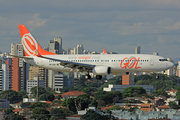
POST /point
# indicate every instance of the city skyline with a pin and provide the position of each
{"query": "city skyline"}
(117, 26)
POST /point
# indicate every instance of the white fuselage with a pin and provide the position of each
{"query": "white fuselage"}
(117, 62)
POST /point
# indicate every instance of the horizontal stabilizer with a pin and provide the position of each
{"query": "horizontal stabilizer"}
(25, 57)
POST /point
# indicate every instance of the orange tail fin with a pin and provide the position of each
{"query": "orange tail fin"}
(104, 51)
(30, 45)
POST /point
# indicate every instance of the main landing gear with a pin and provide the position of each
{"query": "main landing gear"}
(98, 77)
(87, 76)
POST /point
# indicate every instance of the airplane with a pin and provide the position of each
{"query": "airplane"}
(98, 64)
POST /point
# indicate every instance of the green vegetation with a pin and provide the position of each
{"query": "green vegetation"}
(13, 96)
(162, 82)
(160, 92)
(12, 116)
(60, 113)
(173, 105)
(108, 97)
(92, 115)
(40, 113)
(133, 92)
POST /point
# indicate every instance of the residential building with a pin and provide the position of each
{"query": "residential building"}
(17, 49)
(172, 92)
(11, 74)
(71, 94)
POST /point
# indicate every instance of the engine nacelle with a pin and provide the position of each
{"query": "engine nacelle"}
(101, 70)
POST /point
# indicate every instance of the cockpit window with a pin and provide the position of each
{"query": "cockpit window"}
(163, 60)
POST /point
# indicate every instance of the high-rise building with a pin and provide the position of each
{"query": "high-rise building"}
(61, 81)
(79, 49)
(17, 49)
(11, 75)
(55, 46)
(39, 72)
(6, 81)
(137, 50)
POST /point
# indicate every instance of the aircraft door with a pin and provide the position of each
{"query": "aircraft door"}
(42, 63)
(152, 61)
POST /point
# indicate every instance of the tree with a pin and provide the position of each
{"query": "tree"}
(40, 113)
(47, 97)
(92, 115)
(9, 111)
(41, 91)
(160, 92)
(14, 116)
(173, 105)
(103, 95)
(50, 90)
(58, 97)
(38, 104)
(93, 103)
(11, 95)
(60, 113)
(178, 95)
(22, 94)
(70, 103)
(133, 92)
(82, 101)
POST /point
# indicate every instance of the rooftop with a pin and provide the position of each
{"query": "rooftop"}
(72, 93)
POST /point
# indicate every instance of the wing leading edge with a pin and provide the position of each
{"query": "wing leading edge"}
(73, 65)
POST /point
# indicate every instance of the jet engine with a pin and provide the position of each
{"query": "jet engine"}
(101, 70)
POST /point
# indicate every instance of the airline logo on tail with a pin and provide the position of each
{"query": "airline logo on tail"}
(31, 46)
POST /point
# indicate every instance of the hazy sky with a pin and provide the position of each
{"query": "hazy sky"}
(118, 25)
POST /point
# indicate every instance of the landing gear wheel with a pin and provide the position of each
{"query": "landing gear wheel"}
(87, 76)
(98, 77)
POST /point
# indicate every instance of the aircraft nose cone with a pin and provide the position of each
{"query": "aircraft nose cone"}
(170, 64)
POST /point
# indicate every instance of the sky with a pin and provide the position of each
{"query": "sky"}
(118, 25)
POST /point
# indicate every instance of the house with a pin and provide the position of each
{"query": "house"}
(171, 99)
(71, 94)
(162, 108)
(172, 92)
(147, 107)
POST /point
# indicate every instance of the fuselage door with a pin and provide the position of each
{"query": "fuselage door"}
(42, 63)
(152, 61)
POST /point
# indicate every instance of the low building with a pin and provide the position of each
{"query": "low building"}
(4, 103)
(111, 87)
(72, 94)
(172, 92)
(162, 108)
(32, 83)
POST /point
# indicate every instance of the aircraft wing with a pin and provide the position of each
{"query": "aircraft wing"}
(73, 65)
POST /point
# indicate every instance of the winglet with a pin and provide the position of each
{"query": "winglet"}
(104, 51)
